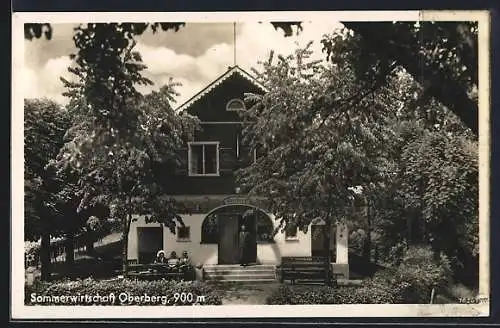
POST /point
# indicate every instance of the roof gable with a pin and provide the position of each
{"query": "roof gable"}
(235, 70)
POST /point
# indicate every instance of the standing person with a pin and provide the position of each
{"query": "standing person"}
(243, 246)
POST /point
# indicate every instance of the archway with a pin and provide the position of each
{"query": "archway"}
(223, 225)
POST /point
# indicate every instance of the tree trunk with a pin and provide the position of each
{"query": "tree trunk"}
(124, 247)
(45, 257)
(126, 220)
(70, 250)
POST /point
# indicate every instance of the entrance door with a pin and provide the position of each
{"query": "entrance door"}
(318, 240)
(150, 241)
(250, 224)
(228, 239)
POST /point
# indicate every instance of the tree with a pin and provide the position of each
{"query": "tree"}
(442, 56)
(118, 133)
(320, 136)
(440, 185)
(45, 124)
(432, 196)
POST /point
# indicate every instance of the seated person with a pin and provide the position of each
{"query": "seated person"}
(173, 261)
(185, 261)
(160, 257)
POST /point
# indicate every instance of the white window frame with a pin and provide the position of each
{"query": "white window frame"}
(197, 143)
(235, 110)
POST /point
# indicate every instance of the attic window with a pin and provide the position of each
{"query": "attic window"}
(234, 105)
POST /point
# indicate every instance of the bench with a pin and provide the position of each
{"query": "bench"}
(156, 271)
(305, 269)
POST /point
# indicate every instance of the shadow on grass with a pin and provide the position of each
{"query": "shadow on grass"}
(104, 262)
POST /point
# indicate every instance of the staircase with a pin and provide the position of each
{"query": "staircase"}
(237, 273)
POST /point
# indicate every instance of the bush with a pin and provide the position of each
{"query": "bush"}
(416, 275)
(365, 294)
(97, 292)
(420, 272)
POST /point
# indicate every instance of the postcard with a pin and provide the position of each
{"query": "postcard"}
(250, 164)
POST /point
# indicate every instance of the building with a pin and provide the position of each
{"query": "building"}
(205, 183)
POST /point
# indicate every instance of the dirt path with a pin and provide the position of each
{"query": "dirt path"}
(248, 294)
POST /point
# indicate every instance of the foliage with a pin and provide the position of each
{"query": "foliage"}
(293, 295)
(319, 135)
(432, 181)
(171, 290)
(441, 56)
(36, 30)
(441, 183)
(416, 274)
(45, 124)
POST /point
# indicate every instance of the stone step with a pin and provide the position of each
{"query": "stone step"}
(225, 268)
(237, 273)
(242, 271)
(246, 281)
(233, 277)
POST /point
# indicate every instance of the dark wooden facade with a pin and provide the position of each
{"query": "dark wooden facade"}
(217, 125)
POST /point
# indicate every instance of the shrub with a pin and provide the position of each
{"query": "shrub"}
(80, 291)
(417, 273)
(365, 294)
(420, 272)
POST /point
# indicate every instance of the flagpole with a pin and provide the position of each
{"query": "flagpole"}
(234, 43)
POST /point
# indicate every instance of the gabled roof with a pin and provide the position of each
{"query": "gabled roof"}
(233, 70)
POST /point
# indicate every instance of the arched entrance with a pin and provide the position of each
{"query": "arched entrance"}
(223, 225)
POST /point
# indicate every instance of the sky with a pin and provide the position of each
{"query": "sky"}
(194, 56)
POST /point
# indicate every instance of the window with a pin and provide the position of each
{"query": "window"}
(203, 158)
(235, 105)
(210, 230)
(291, 232)
(183, 233)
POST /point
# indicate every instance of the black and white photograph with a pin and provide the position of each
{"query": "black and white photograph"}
(253, 164)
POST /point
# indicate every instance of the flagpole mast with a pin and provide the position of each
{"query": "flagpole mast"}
(234, 43)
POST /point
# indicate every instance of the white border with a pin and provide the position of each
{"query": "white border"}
(20, 311)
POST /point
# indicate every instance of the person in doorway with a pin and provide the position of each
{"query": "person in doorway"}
(244, 239)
